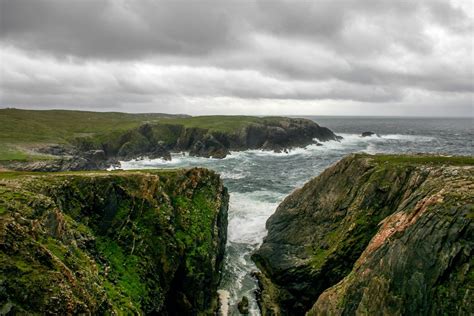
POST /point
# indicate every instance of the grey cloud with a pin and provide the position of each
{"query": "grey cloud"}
(131, 29)
(122, 53)
(116, 29)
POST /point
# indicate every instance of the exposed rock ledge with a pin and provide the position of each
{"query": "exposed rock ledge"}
(117, 243)
(158, 140)
(374, 235)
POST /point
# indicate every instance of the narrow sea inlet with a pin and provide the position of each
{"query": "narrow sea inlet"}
(259, 180)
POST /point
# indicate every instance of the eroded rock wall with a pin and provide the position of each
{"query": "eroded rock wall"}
(148, 242)
(371, 235)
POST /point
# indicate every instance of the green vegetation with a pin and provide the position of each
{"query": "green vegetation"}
(424, 159)
(16, 153)
(365, 236)
(23, 130)
(223, 123)
(110, 242)
(23, 126)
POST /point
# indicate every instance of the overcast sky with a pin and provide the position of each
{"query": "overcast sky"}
(334, 57)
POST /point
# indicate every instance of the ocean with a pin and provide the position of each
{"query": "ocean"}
(259, 180)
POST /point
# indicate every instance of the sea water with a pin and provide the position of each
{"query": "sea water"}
(259, 180)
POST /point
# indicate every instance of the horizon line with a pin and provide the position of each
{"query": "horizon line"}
(257, 115)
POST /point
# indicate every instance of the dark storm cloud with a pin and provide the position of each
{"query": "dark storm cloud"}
(121, 29)
(116, 29)
(122, 53)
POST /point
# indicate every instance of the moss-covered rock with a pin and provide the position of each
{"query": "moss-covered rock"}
(119, 243)
(384, 234)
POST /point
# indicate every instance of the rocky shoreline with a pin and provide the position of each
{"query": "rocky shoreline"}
(160, 140)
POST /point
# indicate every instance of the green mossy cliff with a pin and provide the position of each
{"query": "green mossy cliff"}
(374, 235)
(149, 242)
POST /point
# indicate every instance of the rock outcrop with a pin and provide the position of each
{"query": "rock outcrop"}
(368, 134)
(111, 243)
(158, 140)
(373, 235)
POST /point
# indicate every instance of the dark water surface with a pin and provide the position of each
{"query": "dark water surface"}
(258, 181)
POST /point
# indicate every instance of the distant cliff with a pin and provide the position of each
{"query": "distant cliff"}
(70, 140)
(111, 243)
(158, 140)
(374, 235)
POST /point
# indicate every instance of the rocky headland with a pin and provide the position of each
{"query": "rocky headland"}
(373, 235)
(117, 243)
(120, 136)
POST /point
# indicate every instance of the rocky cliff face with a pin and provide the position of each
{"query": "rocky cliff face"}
(157, 140)
(120, 243)
(374, 235)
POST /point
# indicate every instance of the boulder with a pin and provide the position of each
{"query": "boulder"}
(243, 306)
(368, 134)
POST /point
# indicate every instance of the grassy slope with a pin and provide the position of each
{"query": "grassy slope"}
(22, 129)
(425, 159)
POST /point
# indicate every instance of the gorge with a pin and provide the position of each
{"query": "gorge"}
(167, 239)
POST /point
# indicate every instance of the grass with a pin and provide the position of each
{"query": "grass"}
(55, 125)
(12, 153)
(21, 130)
(422, 159)
(223, 123)
(6, 175)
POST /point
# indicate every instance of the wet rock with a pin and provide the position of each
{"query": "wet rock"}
(243, 306)
(368, 134)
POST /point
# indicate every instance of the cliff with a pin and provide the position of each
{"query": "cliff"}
(206, 140)
(117, 243)
(74, 140)
(373, 235)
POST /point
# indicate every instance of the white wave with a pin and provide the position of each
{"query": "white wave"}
(350, 138)
(349, 141)
(413, 138)
(146, 163)
(233, 175)
(370, 149)
(248, 213)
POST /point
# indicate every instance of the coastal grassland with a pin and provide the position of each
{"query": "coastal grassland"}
(24, 130)
(223, 123)
(23, 126)
(421, 159)
(125, 242)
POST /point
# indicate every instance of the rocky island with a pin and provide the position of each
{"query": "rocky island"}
(111, 242)
(383, 234)
(60, 140)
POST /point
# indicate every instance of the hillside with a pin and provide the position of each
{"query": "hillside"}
(100, 139)
(23, 130)
(383, 234)
(111, 242)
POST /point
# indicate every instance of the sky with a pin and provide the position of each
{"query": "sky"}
(260, 57)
